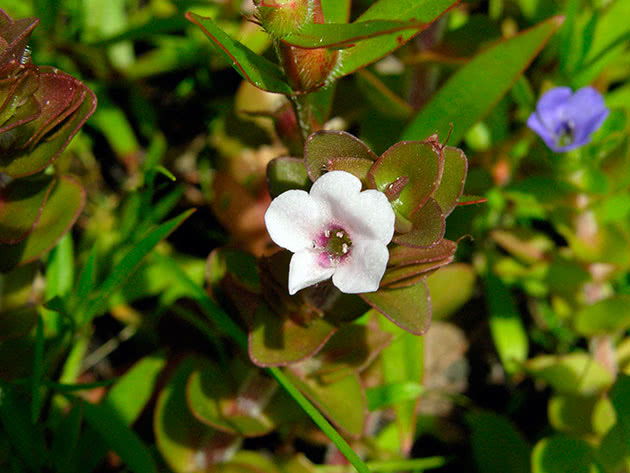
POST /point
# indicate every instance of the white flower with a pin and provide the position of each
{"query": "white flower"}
(335, 230)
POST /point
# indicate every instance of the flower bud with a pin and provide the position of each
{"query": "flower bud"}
(282, 17)
(307, 69)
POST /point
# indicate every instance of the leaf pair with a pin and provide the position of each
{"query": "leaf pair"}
(422, 179)
(41, 108)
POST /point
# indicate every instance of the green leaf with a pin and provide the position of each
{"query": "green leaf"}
(25, 437)
(336, 11)
(572, 414)
(98, 302)
(182, 440)
(16, 323)
(575, 373)
(343, 401)
(453, 179)
(252, 67)
(316, 35)
(60, 269)
(350, 350)
(235, 399)
(381, 97)
(390, 394)
(403, 362)
(605, 42)
(61, 210)
(371, 50)
(608, 316)
(276, 340)
(506, 326)
(620, 398)
(133, 390)
(562, 453)
(427, 228)
(408, 307)
(492, 72)
(63, 450)
(451, 287)
(21, 205)
(284, 174)
(105, 420)
(497, 446)
(322, 146)
(420, 163)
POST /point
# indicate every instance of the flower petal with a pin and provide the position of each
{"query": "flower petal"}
(293, 220)
(553, 99)
(365, 215)
(305, 270)
(363, 269)
(369, 217)
(551, 107)
(588, 111)
(334, 188)
(545, 133)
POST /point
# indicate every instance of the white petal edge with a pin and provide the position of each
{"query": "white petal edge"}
(293, 220)
(334, 188)
(368, 216)
(364, 268)
(305, 271)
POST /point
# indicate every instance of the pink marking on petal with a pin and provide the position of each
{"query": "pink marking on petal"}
(324, 260)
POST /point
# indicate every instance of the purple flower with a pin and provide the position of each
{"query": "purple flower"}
(566, 121)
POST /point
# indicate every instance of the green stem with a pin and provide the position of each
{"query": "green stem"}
(416, 464)
(319, 420)
(303, 114)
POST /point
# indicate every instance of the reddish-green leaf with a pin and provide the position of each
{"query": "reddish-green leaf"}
(285, 173)
(232, 400)
(408, 275)
(420, 163)
(21, 204)
(349, 350)
(184, 442)
(404, 255)
(408, 307)
(358, 167)
(322, 146)
(343, 401)
(18, 104)
(60, 212)
(252, 67)
(41, 145)
(474, 89)
(427, 228)
(276, 340)
(453, 179)
(15, 34)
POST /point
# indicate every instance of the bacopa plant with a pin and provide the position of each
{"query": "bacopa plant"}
(338, 231)
(41, 109)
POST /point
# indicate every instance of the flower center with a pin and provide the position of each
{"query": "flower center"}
(335, 244)
(565, 134)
